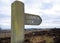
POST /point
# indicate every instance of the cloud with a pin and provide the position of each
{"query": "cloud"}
(5, 23)
(46, 6)
(5, 14)
(48, 10)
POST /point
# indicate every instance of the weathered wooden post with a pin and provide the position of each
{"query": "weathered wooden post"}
(19, 19)
(17, 22)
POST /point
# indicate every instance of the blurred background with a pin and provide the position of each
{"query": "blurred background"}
(47, 32)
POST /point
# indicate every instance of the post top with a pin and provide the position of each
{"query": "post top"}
(16, 0)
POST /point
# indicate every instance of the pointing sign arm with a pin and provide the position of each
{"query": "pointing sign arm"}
(31, 19)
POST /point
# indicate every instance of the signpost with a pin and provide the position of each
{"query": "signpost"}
(17, 22)
(19, 19)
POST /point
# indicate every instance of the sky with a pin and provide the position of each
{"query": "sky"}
(48, 10)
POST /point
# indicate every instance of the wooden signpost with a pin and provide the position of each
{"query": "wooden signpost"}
(19, 19)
